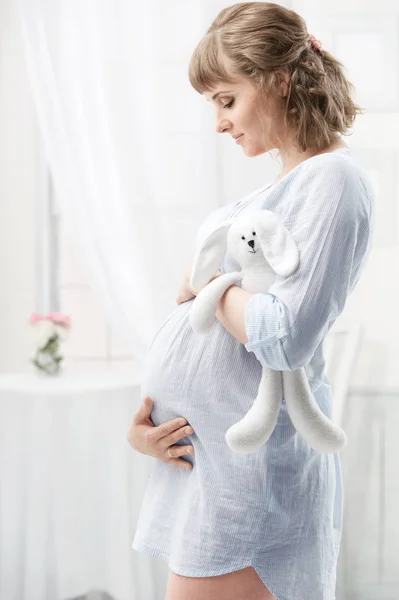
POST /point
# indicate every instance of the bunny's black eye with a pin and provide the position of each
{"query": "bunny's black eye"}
(254, 233)
(243, 237)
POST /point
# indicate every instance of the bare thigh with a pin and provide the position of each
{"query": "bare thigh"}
(240, 585)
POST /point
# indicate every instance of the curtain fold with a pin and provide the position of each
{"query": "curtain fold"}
(95, 68)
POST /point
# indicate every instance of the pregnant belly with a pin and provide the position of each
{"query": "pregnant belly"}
(211, 380)
(195, 375)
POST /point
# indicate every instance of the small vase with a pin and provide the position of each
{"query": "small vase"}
(47, 360)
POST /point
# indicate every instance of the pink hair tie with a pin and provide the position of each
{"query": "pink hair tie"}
(316, 44)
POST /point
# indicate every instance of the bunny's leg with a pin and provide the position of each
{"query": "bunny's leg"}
(307, 417)
(256, 427)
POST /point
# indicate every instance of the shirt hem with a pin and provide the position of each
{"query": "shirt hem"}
(155, 553)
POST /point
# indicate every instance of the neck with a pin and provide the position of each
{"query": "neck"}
(291, 157)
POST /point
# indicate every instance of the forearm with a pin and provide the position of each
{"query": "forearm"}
(231, 312)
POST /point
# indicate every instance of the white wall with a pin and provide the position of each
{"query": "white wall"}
(19, 156)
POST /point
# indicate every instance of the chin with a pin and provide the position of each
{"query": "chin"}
(256, 150)
(252, 152)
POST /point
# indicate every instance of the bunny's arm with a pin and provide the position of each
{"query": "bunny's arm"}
(203, 311)
(231, 311)
(331, 224)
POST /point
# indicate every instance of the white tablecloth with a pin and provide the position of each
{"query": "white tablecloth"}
(71, 488)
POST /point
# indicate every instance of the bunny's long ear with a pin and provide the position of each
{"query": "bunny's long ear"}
(209, 257)
(278, 245)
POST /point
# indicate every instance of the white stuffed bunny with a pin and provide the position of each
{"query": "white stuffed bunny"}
(262, 246)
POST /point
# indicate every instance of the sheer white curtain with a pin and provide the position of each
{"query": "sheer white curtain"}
(132, 153)
(129, 143)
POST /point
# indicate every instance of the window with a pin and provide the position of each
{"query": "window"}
(62, 287)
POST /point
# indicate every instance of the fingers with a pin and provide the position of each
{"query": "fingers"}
(184, 296)
(176, 451)
(144, 411)
(171, 452)
(185, 292)
(167, 433)
(166, 429)
(181, 464)
(163, 437)
(176, 436)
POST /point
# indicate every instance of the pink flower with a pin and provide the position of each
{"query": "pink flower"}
(34, 318)
(57, 318)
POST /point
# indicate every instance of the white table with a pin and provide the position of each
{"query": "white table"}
(71, 488)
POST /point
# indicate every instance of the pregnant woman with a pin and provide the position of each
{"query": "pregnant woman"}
(267, 524)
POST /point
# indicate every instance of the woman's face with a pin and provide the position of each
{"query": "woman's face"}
(240, 111)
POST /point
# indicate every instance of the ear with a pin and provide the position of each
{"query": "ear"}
(209, 257)
(278, 245)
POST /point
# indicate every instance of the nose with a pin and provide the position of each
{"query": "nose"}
(251, 243)
(220, 128)
(221, 125)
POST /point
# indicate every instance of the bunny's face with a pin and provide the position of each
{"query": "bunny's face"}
(243, 242)
(259, 242)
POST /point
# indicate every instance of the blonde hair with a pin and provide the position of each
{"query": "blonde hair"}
(261, 38)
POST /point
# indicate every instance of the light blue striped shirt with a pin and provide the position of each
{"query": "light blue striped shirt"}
(278, 509)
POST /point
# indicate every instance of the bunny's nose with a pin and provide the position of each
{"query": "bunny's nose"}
(251, 243)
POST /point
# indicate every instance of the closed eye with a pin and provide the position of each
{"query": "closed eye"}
(229, 105)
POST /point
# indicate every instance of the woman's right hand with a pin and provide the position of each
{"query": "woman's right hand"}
(144, 437)
(186, 292)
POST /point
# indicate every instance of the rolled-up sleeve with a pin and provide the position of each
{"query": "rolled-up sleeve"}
(264, 318)
(329, 216)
